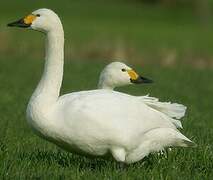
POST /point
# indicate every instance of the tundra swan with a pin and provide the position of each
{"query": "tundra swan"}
(118, 74)
(96, 122)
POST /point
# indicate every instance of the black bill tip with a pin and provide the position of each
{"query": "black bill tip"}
(19, 23)
(141, 80)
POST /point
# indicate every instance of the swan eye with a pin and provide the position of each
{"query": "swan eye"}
(38, 15)
(123, 70)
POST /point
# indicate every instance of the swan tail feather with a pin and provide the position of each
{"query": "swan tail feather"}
(157, 140)
(166, 137)
(177, 123)
(187, 143)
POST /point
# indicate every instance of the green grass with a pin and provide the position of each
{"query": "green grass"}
(93, 29)
(23, 155)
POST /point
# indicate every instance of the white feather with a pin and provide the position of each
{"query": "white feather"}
(92, 122)
(173, 110)
(112, 76)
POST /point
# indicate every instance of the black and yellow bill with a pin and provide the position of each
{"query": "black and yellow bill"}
(137, 79)
(23, 22)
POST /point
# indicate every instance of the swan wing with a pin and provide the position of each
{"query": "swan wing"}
(173, 110)
(108, 116)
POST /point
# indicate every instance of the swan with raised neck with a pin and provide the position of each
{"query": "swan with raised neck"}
(46, 94)
(96, 122)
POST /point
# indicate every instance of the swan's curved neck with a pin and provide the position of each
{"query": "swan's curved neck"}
(102, 85)
(48, 89)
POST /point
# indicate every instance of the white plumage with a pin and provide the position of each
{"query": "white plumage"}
(96, 122)
(116, 74)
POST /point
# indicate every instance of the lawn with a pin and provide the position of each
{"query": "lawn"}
(101, 30)
(92, 30)
(23, 155)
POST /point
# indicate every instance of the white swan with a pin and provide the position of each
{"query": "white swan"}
(118, 74)
(96, 122)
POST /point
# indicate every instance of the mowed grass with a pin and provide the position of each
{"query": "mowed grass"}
(151, 34)
(97, 29)
(23, 155)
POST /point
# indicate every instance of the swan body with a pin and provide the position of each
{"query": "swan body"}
(117, 74)
(97, 122)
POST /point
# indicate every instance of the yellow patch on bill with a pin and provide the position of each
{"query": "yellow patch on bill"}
(29, 19)
(133, 75)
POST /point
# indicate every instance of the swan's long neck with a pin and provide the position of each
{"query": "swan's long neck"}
(102, 85)
(48, 89)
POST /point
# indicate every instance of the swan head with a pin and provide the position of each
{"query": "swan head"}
(44, 20)
(118, 74)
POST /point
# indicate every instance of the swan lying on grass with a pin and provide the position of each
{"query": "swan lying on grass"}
(118, 74)
(96, 122)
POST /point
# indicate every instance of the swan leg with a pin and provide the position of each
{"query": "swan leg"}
(138, 154)
(119, 154)
(122, 166)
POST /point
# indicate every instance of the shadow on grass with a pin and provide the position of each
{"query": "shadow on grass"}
(65, 160)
